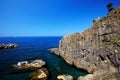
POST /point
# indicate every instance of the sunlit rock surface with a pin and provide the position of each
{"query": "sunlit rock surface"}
(64, 77)
(97, 49)
(37, 67)
(40, 74)
(25, 65)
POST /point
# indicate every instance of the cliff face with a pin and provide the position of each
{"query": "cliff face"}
(95, 49)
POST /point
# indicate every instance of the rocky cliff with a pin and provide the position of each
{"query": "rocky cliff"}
(97, 48)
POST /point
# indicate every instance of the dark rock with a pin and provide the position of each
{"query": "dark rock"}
(8, 46)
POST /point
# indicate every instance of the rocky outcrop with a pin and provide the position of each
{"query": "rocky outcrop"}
(8, 46)
(101, 75)
(25, 66)
(40, 74)
(95, 49)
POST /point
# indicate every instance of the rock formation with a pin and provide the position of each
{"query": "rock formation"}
(38, 66)
(40, 74)
(7, 46)
(97, 49)
(25, 66)
(64, 77)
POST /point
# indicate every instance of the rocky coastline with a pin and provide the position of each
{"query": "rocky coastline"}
(8, 46)
(96, 50)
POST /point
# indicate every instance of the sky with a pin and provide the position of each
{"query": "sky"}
(49, 17)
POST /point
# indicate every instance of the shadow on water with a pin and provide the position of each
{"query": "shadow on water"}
(64, 68)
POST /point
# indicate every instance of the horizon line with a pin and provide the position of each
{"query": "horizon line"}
(33, 36)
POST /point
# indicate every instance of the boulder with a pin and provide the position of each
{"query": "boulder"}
(25, 66)
(64, 77)
(40, 74)
(37, 63)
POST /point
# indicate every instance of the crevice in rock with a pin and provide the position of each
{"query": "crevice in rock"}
(112, 61)
(101, 58)
(82, 70)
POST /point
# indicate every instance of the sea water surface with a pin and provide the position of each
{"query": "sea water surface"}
(33, 48)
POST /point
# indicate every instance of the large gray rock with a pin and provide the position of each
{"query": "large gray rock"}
(95, 49)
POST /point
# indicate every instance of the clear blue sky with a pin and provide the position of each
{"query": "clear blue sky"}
(49, 17)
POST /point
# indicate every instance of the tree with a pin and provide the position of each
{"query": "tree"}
(109, 7)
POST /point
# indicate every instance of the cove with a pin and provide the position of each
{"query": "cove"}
(34, 48)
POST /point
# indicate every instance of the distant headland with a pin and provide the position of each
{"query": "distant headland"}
(8, 46)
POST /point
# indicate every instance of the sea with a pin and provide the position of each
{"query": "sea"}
(31, 48)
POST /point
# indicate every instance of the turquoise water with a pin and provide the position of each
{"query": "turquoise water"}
(33, 48)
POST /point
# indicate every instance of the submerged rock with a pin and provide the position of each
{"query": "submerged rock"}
(40, 74)
(8, 46)
(64, 77)
(95, 49)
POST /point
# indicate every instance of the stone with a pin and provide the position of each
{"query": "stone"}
(37, 63)
(64, 77)
(40, 74)
(22, 63)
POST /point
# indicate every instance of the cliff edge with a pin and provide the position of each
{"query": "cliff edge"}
(97, 49)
